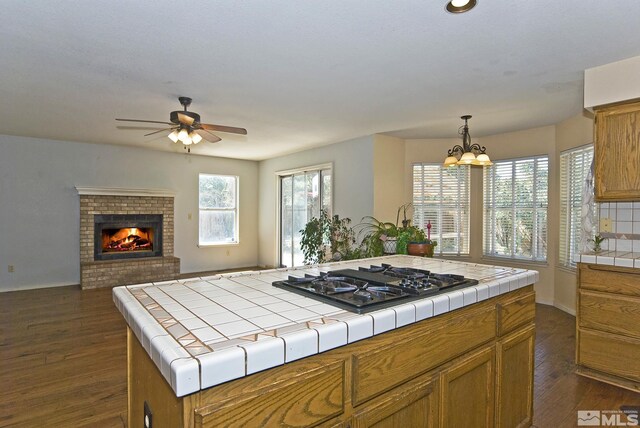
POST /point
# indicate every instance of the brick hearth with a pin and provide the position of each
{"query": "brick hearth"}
(109, 273)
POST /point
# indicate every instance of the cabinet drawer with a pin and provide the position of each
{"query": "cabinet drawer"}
(610, 279)
(381, 368)
(306, 400)
(515, 313)
(609, 353)
(610, 312)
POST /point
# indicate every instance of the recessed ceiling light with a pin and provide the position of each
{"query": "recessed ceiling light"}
(460, 6)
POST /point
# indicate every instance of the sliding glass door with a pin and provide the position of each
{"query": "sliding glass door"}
(302, 195)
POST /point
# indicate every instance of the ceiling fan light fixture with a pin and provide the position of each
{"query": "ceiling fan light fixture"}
(460, 6)
(173, 136)
(184, 124)
(195, 137)
(183, 135)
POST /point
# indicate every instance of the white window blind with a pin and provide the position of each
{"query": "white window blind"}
(574, 168)
(515, 208)
(441, 195)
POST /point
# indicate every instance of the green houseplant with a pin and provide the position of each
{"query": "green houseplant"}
(597, 242)
(412, 241)
(375, 235)
(380, 237)
(328, 238)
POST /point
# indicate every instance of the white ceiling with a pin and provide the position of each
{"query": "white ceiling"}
(299, 74)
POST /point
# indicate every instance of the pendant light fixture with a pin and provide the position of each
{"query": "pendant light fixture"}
(467, 154)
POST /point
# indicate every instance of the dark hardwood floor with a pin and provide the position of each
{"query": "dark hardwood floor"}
(558, 392)
(63, 363)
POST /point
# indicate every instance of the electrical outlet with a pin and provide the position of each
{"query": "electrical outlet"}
(148, 420)
(10, 269)
(228, 252)
(605, 225)
(189, 216)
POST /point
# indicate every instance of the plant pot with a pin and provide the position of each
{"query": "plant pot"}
(421, 249)
(389, 246)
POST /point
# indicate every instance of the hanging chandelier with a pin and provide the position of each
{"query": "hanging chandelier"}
(467, 154)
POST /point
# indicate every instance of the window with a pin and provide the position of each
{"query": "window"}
(218, 196)
(303, 193)
(515, 208)
(575, 165)
(441, 195)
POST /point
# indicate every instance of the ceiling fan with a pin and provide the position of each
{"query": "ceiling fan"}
(184, 124)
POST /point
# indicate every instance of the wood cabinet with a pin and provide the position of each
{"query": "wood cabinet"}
(467, 392)
(469, 367)
(608, 325)
(617, 152)
(514, 362)
(412, 405)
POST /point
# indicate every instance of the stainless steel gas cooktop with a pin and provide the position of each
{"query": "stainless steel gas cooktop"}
(373, 288)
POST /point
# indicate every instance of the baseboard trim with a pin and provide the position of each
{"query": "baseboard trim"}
(557, 305)
(566, 309)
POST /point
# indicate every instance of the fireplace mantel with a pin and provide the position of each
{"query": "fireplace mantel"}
(124, 191)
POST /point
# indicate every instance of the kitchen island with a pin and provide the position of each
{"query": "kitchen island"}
(234, 350)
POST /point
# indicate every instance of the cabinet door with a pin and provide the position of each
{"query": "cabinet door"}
(412, 405)
(467, 392)
(617, 152)
(515, 379)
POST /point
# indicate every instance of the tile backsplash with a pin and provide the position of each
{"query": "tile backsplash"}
(625, 226)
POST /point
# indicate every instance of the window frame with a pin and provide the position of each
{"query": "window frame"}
(440, 211)
(279, 175)
(569, 204)
(535, 208)
(235, 210)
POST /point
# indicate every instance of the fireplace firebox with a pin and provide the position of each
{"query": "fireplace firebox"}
(125, 236)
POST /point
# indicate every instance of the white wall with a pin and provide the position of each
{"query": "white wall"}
(612, 83)
(352, 186)
(39, 206)
(388, 178)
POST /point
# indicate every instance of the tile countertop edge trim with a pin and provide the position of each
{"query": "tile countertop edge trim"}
(610, 258)
(187, 377)
(183, 376)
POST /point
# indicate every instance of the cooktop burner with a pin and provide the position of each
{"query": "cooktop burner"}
(373, 288)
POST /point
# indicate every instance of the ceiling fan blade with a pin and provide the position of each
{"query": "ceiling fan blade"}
(145, 121)
(221, 128)
(187, 120)
(212, 138)
(160, 130)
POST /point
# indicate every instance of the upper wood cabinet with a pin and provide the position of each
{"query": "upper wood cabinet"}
(617, 152)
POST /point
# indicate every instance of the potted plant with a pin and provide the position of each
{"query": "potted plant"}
(380, 237)
(328, 238)
(412, 241)
(597, 242)
(377, 237)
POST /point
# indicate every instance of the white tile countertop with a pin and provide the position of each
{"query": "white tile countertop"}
(201, 332)
(611, 258)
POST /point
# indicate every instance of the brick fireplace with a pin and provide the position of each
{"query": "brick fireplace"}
(126, 236)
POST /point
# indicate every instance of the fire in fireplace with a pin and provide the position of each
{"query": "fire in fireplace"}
(127, 239)
(122, 236)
